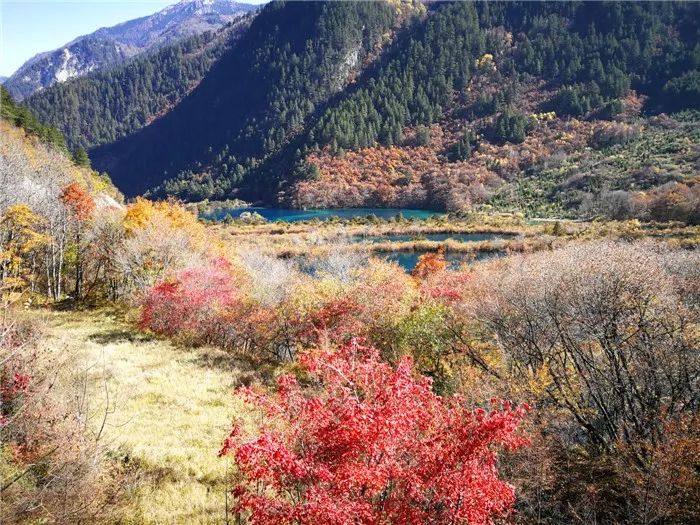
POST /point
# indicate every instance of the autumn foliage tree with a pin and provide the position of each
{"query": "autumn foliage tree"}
(81, 207)
(370, 444)
(160, 239)
(20, 242)
(430, 264)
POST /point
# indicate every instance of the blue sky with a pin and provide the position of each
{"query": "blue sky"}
(28, 27)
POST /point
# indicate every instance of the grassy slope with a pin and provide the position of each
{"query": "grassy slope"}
(170, 410)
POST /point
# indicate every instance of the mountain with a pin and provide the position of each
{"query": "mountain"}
(258, 95)
(508, 104)
(113, 45)
(124, 98)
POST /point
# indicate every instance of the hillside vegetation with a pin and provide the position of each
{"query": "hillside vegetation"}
(112, 46)
(255, 98)
(474, 98)
(26, 120)
(522, 383)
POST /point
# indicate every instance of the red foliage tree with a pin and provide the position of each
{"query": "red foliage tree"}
(81, 206)
(78, 201)
(334, 321)
(191, 303)
(372, 445)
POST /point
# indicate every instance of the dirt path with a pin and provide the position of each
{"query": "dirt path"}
(168, 408)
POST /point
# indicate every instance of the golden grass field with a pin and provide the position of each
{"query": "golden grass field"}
(169, 409)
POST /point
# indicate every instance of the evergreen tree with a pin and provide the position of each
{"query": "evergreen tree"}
(80, 157)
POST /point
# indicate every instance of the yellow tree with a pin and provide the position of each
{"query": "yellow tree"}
(20, 242)
(161, 237)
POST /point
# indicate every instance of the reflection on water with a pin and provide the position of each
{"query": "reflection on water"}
(408, 260)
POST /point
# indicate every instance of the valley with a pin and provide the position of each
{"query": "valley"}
(496, 120)
(354, 263)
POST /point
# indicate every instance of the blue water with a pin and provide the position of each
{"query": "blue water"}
(437, 237)
(408, 260)
(278, 214)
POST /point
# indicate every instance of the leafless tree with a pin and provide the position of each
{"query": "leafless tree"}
(608, 324)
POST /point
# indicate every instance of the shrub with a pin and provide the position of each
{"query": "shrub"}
(190, 305)
(160, 238)
(430, 264)
(53, 468)
(372, 443)
(675, 201)
(603, 337)
(422, 136)
(612, 133)
(628, 367)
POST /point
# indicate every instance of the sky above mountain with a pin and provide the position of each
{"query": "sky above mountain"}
(28, 27)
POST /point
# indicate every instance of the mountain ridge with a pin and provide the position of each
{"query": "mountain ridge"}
(266, 86)
(123, 98)
(112, 45)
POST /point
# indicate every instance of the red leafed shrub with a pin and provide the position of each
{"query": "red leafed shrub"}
(335, 321)
(191, 303)
(372, 444)
(445, 286)
(10, 388)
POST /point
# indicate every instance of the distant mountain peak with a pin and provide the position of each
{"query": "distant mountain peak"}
(112, 45)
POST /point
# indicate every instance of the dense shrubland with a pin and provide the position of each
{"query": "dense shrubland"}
(373, 444)
(600, 338)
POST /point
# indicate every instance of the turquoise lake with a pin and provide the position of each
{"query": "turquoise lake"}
(287, 215)
(407, 260)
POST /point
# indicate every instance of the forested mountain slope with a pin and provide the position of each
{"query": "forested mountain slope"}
(291, 60)
(23, 118)
(455, 107)
(107, 105)
(112, 45)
